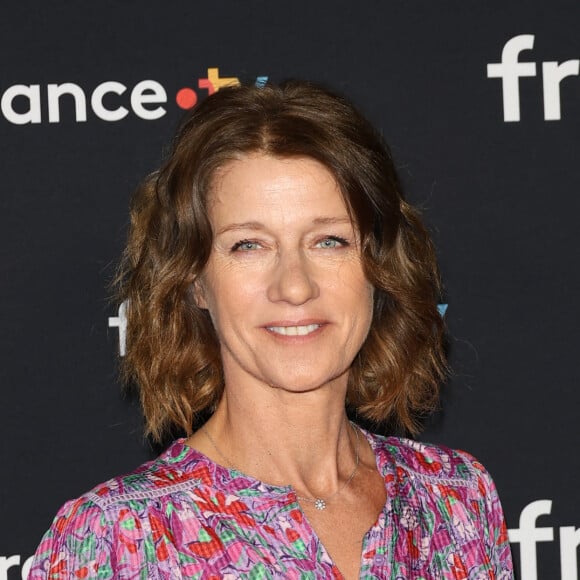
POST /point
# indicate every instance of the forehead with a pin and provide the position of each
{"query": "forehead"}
(291, 187)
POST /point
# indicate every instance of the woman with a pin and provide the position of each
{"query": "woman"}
(275, 276)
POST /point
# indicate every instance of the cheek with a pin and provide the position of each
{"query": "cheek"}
(353, 295)
(229, 298)
(367, 302)
(357, 286)
(364, 297)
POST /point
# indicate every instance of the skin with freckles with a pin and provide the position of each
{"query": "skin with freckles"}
(290, 304)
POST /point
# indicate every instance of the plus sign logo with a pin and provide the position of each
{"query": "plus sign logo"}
(186, 98)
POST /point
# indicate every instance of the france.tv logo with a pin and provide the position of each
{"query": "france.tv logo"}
(109, 101)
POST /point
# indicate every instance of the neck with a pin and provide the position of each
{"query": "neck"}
(284, 438)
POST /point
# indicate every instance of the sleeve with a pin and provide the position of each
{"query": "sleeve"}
(494, 531)
(77, 545)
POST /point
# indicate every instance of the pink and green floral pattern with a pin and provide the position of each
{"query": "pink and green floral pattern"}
(183, 516)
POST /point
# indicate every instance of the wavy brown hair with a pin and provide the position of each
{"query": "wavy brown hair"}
(173, 353)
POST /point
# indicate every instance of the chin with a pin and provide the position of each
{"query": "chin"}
(299, 383)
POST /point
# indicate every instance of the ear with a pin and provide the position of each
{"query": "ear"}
(198, 291)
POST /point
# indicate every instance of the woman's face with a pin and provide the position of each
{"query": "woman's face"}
(284, 284)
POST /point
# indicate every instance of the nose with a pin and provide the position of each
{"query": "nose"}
(293, 280)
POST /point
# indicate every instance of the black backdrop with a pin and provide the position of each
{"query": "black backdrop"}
(501, 197)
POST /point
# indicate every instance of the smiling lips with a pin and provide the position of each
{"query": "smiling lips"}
(294, 330)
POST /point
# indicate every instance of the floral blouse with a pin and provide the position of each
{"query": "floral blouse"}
(184, 516)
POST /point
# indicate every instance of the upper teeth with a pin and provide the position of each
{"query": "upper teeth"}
(294, 330)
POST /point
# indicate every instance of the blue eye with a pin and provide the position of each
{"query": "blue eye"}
(244, 246)
(332, 242)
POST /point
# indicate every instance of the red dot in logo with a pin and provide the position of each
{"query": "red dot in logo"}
(186, 98)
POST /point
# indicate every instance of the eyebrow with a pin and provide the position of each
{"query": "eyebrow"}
(260, 226)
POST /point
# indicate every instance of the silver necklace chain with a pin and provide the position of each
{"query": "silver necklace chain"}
(319, 502)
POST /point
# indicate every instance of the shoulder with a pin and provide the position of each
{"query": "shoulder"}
(450, 487)
(430, 463)
(111, 525)
(175, 470)
(435, 472)
(455, 497)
